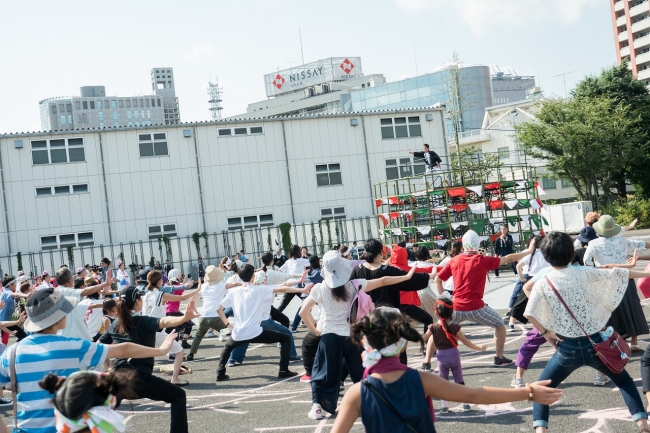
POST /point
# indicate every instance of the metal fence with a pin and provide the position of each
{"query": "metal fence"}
(183, 252)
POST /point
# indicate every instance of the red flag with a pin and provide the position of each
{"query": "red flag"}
(393, 200)
(496, 204)
(459, 207)
(491, 186)
(457, 192)
(383, 219)
(378, 202)
(393, 215)
(495, 237)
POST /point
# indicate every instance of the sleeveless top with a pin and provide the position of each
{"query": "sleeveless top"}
(406, 395)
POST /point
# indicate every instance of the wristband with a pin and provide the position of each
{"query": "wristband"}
(530, 392)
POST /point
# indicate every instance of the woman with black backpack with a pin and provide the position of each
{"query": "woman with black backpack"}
(336, 296)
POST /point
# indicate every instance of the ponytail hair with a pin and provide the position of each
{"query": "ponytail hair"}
(267, 260)
(383, 327)
(81, 391)
(372, 248)
(153, 278)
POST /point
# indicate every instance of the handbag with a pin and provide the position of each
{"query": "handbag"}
(389, 406)
(613, 352)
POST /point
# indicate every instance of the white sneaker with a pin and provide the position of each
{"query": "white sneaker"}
(210, 334)
(316, 412)
(466, 407)
(601, 380)
(517, 382)
(511, 328)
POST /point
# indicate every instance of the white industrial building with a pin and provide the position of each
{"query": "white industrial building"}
(106, 186)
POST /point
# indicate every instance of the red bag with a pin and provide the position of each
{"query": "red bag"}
(644, 284)
(614, 352)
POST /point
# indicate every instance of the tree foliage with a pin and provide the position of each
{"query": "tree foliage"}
(475, 167)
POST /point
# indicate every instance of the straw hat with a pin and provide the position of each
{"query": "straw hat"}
(213, 275)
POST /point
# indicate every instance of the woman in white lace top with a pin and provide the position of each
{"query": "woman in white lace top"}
(592, 295)
(628, 319)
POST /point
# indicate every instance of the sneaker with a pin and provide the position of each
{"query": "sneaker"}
(501, 362)
(305, 378)
(601, 380)
(233, 363)
(444, 409)
(186, 345)
(222, 377)
(466, 407)
(426, 366)
(507, 315)
(5, 402)
(295, 359)
(517, 382)
(190, 357)
(511, 328)
(293, 330)
(316, 412)
(286, 374)
(210, 334)
(279, 346)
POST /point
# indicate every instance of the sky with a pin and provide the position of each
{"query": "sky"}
(51, 48)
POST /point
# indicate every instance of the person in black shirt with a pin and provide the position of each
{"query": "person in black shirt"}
(431, 158)
(503, 246)
(168, 267)
(142, 330)
(587, 234)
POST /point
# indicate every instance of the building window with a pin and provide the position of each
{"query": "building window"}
(328, 174)
(504, 152)
(566, 183)
(153, 144)
(114, 115)
(128, 103)
(58, 190)
(240, 131)
(148, 114)
(77, 105)
(256, 130)
(55, 242)
(128, 114)
(329, 213)
(85, 104)
(249, 222)
(99, 105)
(100, 115)
(63, 119)
(549, 183)
(121, 103)
(58, 151)
(223, 132)
(160, 230)
(68, 108)
(158, 100)
(113, 103)
(45, 191)
(404, 167)
(400, 127)
(92, 105)
(80, 188)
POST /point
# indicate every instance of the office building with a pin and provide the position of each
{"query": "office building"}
(95, 109)
(631, 23)
(507, 88)
(109, 186)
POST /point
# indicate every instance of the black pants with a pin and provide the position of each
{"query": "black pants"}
(418, 314)
(286, 299)
(309, 349)
(279, 317)
(266, 337)
(645, 370)
(512, 264)
(154, 388)
(20, 333)
(183, 328)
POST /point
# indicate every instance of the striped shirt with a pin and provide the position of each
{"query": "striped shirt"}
(37, 356)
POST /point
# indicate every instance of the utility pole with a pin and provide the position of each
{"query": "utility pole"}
(563, 75)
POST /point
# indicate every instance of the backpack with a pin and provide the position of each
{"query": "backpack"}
(361, 304)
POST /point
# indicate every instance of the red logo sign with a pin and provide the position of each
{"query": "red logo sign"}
(278, 81)
(347, 66)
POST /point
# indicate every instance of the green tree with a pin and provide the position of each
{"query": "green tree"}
(476, 167)
(586, 140)
(618, 83)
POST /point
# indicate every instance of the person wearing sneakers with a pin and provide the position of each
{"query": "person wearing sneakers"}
(47, 312)
(214, 289)
(335, 296)
(251, 305)
(469, 270)
(153, 305)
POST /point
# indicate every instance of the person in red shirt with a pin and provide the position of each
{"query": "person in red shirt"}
(469, 271)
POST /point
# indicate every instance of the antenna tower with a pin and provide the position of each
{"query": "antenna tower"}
(214, 93)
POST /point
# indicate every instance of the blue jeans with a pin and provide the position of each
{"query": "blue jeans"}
(239, 352)
(572, 354)
(297, 318)
(519, 286)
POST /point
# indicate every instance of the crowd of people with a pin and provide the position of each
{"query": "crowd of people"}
(360, 309)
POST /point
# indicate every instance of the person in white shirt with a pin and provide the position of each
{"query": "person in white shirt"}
(46, 284)
(123, 277)
(251, 305)
(213, 291)
(294, 265)
(153, 305)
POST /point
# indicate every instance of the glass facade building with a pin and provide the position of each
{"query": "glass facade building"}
(426, 90)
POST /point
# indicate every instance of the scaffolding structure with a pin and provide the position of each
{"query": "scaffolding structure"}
(214, 93)
(435, 209)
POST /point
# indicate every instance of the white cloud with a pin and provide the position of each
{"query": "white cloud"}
(200, 51)
(480, 13)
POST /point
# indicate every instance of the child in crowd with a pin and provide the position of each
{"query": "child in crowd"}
(109, 309)
(444, 343)
(85, 401)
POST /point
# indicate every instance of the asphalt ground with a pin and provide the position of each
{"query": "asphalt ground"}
(254, 400)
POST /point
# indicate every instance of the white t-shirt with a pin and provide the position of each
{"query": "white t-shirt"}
(233, 279)
(335, 314)
(538, 263)
(94, 317)
(294, 266)
(249, 303)
(123, 276)
(449, 284)
(152, 304)
(212, 297)
(75, 324)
